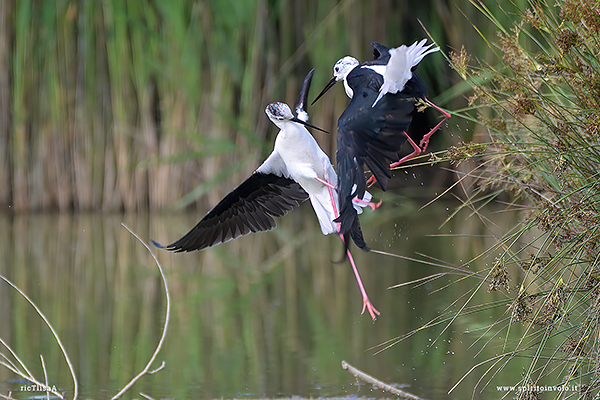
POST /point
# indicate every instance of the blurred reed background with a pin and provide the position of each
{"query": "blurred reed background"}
(133, 105)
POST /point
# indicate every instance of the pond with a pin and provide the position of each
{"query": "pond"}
(266, 315)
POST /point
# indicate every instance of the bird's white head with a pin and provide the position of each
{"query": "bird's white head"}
(342, 68)
(279, 113)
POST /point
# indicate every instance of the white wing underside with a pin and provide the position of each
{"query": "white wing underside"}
(302, 114)
(274, 165)
(321, 199)
(398, 71)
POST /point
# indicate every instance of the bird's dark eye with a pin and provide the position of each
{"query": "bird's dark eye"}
(337, 69)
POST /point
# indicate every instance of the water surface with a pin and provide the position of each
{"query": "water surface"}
(268, 314)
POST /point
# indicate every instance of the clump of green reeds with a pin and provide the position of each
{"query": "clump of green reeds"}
(140, 104)
(539, 150)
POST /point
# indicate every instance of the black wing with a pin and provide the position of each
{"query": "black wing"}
(370, 136)
(300, 106)
(248, 208)
(381, 54)
(374, 135)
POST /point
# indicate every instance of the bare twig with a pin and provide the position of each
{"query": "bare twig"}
(9, 397)
(146, 370)
(27, 375)
(358, 374)
(8, 363)
(45, 377)
(161, 366)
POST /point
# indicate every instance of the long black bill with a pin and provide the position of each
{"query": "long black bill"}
(298, 120)
(331, 82)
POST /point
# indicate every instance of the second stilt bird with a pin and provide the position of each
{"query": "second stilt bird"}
(372, 129)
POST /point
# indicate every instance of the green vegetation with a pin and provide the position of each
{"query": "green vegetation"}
(136, 104)
(129, 105)
(538, 153)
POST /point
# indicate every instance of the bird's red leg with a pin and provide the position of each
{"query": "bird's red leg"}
(324, 182)
(367, 203)
(367, 305)
(371, 181)
(366, 302)
(422, 144)
(416, 151)
(425, 140)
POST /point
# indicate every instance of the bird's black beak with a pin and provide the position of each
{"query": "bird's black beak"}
(298, 120)
(331, 82)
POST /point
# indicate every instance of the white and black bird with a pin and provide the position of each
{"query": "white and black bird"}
(372, 129)
(297, 170)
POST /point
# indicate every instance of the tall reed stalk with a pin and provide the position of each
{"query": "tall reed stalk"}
(136, 104)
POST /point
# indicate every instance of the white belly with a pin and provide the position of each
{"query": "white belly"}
(305, 162)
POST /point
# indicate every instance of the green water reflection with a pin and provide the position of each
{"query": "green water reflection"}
(264, 315)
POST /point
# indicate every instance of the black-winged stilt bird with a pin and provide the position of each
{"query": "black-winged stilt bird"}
(373, 127)
(296, 170)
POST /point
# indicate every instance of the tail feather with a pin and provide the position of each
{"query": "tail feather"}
(351, 183)
(357, 236)
(321, 203)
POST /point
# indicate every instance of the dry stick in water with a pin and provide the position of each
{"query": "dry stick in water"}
(7, 397)
(358, 374)
(27, 375)
(146, 370)
(45, 376)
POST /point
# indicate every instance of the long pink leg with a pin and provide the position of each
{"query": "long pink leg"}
(425, 140)
(416, 151)
(324, 182)
(422, 144)
(367, 203)
(366, 302)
